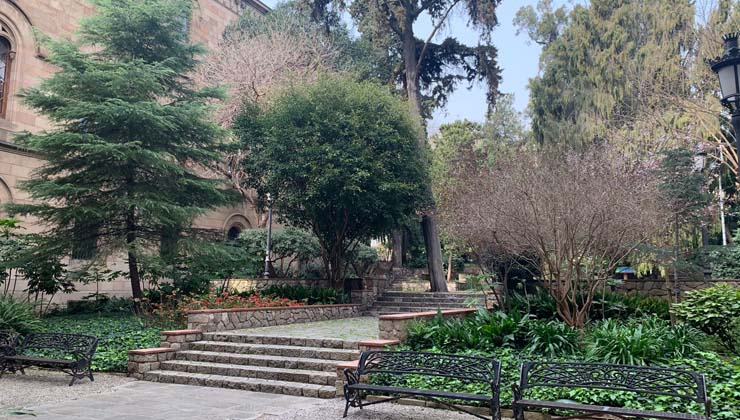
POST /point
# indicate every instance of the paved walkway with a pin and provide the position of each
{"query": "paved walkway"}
(155, 401)
(350, 329)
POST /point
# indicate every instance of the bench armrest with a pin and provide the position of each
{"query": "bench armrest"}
(352, 375)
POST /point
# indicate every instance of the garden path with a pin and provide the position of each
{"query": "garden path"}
(350, 329)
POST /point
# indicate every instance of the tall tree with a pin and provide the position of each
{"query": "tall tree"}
(427, 70)
(341, 160)
(131, 133)
(602, 67)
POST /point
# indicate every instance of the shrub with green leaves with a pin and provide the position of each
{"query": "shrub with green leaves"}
(18, 316)
(640, 341)
(291, 249)
(551, 339)
(713, 310)
(307, 295)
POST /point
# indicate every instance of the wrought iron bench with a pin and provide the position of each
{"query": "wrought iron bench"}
(680, 384)
(391, 364)
(69, 353)
(8, 341)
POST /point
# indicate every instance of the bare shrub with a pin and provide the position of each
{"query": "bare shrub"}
(575, 215)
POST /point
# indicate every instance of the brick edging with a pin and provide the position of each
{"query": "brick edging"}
(428, 314)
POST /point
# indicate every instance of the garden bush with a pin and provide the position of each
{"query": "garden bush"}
(551, 339)
(117, 335)
(715, 311)
(640, 341)
(306, 295)
(17, 315)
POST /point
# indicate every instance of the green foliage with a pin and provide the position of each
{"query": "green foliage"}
(17, 315)
(641, 341)
(551, 339)
(307, 295)
(117, 335)
(127, 128)
(726, 260)
(483, 331)
(623, 306)
(604, 64)
(715, 311)
(289, 245)
(341, 160)
(539, 304)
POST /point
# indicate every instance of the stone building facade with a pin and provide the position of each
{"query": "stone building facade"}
(23, 64)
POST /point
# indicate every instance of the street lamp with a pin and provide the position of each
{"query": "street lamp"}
(727, 68)
(266, 274)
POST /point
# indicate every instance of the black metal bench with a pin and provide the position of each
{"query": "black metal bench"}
(391, 364)
(8, 341)
(69, 353)
(645, 380)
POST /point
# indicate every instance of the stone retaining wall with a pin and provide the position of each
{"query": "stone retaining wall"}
(211, 320)
(143, 360)
(658, 288)
(394, 327)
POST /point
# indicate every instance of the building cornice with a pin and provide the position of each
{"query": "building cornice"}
(7, 146)
(258, 6)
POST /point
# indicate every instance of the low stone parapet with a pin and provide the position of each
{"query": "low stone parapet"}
(142, 361)
(395, 327)
(177, 339)
(212, 320)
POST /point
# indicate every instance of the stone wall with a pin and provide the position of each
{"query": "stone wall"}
(658, 288)
(210, 320)
(394, 327)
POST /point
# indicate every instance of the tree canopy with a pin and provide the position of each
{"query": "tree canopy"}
(340, 159)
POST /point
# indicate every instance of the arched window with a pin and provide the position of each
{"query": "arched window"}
(6, 58)
(233, 233)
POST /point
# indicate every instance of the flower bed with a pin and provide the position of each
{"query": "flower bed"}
(226, 300)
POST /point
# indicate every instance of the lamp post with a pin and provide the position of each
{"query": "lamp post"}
(727, 68)
(266, 274)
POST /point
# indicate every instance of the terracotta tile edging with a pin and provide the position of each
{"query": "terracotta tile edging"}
(181, 332)
(269, 308)
(378, 343)
(156, 350)
(348, 365)
(429, 314)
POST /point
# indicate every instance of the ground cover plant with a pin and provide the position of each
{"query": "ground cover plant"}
(117, 333)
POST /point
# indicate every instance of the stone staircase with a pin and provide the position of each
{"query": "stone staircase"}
(279, 365)
(394, 302)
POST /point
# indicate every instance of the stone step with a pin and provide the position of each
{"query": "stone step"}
(246, 384)
(259, 372)
(258, 360)
(236, 337)
(275, 350)
(430, 295)
(403, 310)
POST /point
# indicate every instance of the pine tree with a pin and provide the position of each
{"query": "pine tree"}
(131, 134)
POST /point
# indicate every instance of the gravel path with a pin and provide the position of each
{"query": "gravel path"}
(42, 387)
(333, 409)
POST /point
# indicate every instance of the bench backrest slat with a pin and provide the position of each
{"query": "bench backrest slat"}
(77, 345)
(466, 368)
(638, 379)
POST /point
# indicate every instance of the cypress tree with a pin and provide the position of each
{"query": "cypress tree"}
(131, 135)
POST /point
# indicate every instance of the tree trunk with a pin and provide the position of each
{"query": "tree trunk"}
(449, 268)
(133, 266)
(397, 248)
(428, 222)
(675, 264)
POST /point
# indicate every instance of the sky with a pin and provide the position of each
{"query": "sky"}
(518, 60)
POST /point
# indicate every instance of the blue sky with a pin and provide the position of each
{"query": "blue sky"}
(518, 60)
